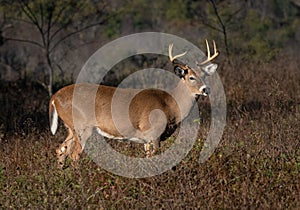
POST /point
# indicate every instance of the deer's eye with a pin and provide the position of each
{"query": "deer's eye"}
(192, 78)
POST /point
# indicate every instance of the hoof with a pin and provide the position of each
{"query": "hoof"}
(61, 154)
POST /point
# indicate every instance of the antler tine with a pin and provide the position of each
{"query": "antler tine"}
(209, 57)
(170, 52)
(208, 49)
(215, 47)
(176, 56)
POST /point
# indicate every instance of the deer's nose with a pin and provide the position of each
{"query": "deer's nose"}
(205, 90)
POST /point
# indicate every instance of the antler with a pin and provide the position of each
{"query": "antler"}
(176, 56)
(209, 57)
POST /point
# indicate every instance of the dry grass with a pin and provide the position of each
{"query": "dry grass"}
(256, 165)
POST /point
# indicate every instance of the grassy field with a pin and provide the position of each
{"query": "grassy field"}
(256, 165)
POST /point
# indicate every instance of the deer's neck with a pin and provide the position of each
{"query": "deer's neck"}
(184, 98)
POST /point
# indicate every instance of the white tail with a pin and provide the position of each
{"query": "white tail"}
(53, 118)
(145, 106)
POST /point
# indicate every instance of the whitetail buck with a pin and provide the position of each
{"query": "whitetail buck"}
(147, 124)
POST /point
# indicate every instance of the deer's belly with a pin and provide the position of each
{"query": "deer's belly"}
(121, 138)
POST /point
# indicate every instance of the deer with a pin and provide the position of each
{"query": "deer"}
(153, 113)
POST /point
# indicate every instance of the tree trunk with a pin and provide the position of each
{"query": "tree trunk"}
(50, 71)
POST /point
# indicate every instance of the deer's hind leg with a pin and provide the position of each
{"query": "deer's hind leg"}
(70, 147)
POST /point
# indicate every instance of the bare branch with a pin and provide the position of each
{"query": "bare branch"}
(60, 12)
(43, 84)
(29, 13)
(42, 14)
(217, 13)
(26, 9)
(231, 16)
(66, 24)
(222, 25)
(20, 20)
(48, 31)
(59, 29)
(75, 32)
(24, 40)
(211, 26)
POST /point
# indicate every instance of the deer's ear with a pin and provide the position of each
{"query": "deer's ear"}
(211, 68)
(180, 72)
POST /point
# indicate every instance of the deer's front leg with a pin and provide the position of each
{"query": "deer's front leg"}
(151, 147)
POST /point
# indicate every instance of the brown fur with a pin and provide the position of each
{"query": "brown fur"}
(140, 108)
(152, 113)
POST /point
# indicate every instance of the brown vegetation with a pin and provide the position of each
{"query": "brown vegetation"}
(256, 164)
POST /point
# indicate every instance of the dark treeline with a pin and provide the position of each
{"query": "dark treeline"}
(48, 41)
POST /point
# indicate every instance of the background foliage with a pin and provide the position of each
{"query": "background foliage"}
(44, 43)
(254, 30)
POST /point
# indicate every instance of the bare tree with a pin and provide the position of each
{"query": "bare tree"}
(215, 17)
(55, 22)
(221, 23)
